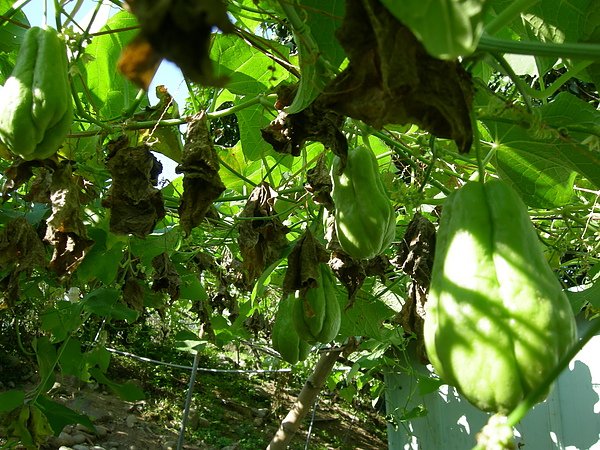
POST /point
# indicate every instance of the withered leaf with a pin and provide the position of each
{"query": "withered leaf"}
(261, 232)
(392, 79)
(139, 62)
(135, 204)
(166, 278)
(415, 258)
(65, 229)
(287, 133)
(202, 184)
(303, 264)
(133, 294)
(318, 183)
(21, 248)
(415, 255)
(178, 30)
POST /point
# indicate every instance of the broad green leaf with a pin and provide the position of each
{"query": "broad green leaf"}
(104, 302)
(250, 121)
(102, 261)
(318, 50)
(127, 391)
(191, 288)
(591, 294)
(11, 36)
(249, 71)
(10, 400)
(323, 19)
(567, 110)
(535, 168)
(61, 320)
(60, 416)
(365, 317)
(71, 360)
(447, 28)
(154, 245)
(111, 92)
(46, 359)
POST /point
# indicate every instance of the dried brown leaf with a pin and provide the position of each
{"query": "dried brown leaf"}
(391, 79)
(261, 232)
(202, 184)
(303, 264)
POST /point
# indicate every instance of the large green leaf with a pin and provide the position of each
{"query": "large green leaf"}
(110, 91)
(11, 36)
(447, 28)
(249, 71)
(250, 121)
(10, 400)
(535, 168)
(59, 415)
(104, 302)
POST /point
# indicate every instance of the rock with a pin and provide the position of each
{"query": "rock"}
(81, 447)
(130, 420)
(79, 438)
(97, 447)
(101, 431)
(64, 447)
(65, 439)
(260, 412)
(170, 445)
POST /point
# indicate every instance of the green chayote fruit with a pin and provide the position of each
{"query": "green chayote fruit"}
(36, 111)
(284, 337)
(365, 220)
(497, 320)
(317, 313)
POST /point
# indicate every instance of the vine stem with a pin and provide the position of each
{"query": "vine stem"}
(306, 398)
(581, 50)
(534, 396)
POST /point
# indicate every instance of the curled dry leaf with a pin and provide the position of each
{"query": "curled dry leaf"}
(178, 30)
(415, 258)
(303, 263)
(135, 204)
(166, 278)
(202, 184)
(318, 183)
(287, 133)
(391, 79)
(261, 232)
(65, 229)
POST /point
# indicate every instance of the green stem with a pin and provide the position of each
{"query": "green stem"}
(16, 7)
(236, 173)
(581, 50)
(429, 170)
(515, 79)
(508, 14)
(131, 109)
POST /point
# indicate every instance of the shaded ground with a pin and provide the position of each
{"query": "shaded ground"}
(229, 411)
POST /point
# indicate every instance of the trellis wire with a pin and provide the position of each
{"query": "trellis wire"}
(200, 369)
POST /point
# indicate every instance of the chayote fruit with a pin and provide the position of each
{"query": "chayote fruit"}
(36, 111)
(365, 221)
(284, 337)
(316, 313)
(497, 320)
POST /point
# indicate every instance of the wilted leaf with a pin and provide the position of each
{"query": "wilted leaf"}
(178, 30)
(166, 278)
(136, 205)
(287, 133)
(262, 234)
(65, 229)
(303, 263)
(391, 79)
(202, 184)
(165, 140)
(318, 183)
